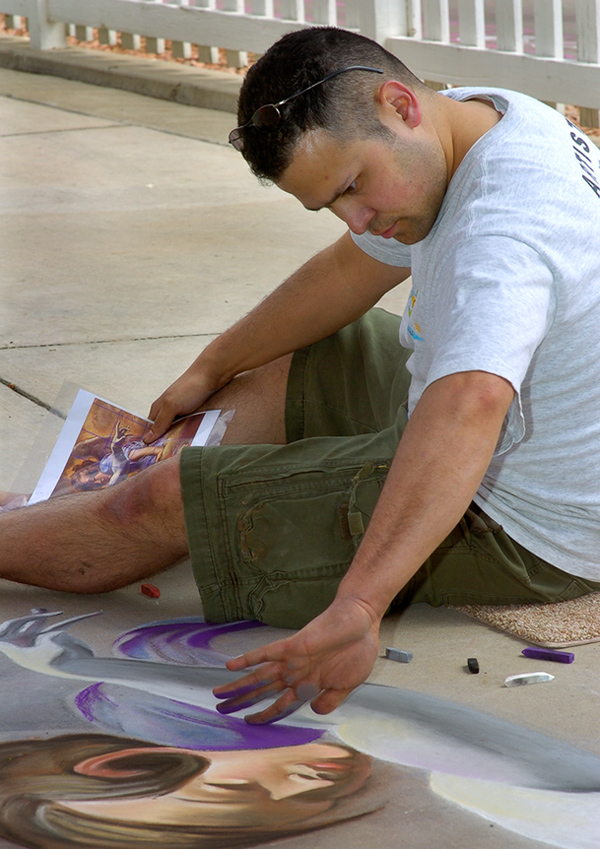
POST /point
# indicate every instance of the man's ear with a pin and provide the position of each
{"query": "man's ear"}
(395, 97)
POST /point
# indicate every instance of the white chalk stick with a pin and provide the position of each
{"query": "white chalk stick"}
(528, 678)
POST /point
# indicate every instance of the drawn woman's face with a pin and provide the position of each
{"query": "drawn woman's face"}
(246, 788)
(89, 477)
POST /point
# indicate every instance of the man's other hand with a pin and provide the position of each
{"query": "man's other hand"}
(320, 664)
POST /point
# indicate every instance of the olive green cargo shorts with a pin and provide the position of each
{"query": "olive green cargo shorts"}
(273, 528)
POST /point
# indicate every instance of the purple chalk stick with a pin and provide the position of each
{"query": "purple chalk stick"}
(549, 654)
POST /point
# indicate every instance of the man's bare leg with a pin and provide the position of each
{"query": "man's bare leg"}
(99, 541)
(258, 398)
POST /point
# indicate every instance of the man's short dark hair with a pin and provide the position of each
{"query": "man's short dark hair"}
(344, 106)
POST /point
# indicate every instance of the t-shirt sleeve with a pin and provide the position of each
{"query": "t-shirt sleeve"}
(497, 307)
(389, 251)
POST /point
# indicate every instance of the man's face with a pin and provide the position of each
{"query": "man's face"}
(392, 187)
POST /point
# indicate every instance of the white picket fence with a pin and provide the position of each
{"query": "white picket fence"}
(546, 48)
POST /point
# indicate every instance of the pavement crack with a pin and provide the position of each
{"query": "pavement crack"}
(86, 343)
(115, 123)
(33, 398)
(54, 132)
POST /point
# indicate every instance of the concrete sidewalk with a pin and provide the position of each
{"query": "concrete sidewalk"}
(132, 235)
(157, 78)
(130, 239)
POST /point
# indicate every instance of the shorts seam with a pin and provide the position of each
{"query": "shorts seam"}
(461, 599)
(365, 428)
(329, 473)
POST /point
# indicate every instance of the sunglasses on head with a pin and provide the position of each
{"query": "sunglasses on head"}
(269, 114)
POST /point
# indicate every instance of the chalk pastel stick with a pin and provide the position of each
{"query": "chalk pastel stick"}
(548, 654)
(399, 655)
(528, 678)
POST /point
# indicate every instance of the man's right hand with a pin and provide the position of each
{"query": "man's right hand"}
(186, 395)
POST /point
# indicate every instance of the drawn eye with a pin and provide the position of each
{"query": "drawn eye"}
(304, 771)
(232, 784)
(304, 776)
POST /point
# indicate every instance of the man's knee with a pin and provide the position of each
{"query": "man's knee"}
(258, 397)
(151, 500)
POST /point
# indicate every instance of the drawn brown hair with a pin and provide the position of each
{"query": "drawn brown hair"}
(38, 776)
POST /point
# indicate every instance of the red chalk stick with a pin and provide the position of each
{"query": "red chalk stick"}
(151, 590)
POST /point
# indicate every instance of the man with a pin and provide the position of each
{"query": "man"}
(460, 466)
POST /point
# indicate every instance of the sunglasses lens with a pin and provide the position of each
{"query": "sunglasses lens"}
(269, 115)
(266, 116)
(236, 140)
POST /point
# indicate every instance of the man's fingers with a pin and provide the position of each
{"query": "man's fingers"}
(329, 700)
(254, 680)
(266, 682)
(290, 701)
(273, 714)
(247, 701)
(154, 410)
(271, 653)
(307, 691)
(287, 704)
(247, 692)
(238, 663)
(160, 424)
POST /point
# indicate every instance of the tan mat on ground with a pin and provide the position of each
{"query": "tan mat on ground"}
(567, 623)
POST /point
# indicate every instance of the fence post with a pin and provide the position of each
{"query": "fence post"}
(235, 58)
(181, 49)
(207, 54)
(471, 20)
(549, 28)
(351, 14)
(292, 10)
(153, 43)
(436, 20)
(588, 30)
(509, 25)
(414, 19)
(382, 19)
(13, 21)
(588, 48)
(262, 8)
(84, 33)
(131, 41)
(325, 12)
(549, 39)
(107, 36)
(43, 33)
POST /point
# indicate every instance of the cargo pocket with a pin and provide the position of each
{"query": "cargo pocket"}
(298, 546)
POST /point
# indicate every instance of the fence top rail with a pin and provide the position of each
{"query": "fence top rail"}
(549, 48)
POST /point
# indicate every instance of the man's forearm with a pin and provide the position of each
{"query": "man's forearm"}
(442, 457)
(332, 289)
(328, 292)
(440, 462)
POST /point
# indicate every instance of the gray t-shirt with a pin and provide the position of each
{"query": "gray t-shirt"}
(508, 282)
